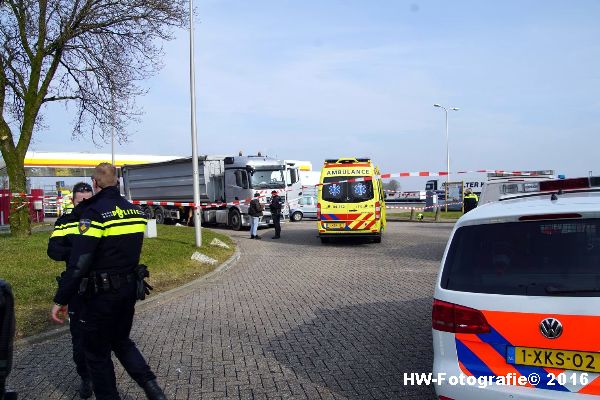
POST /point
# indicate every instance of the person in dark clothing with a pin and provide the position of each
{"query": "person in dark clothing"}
(470, 201)
(275, 208)
(59, 249)
(103, 269)
(255, 211)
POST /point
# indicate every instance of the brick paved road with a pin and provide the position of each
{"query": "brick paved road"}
(292, 319)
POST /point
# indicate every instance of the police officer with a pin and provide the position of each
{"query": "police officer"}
(59, 249)
(102, 266)
(275, 208)
(67, 202)
(470, 200)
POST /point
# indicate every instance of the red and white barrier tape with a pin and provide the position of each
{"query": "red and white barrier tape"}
(422, 208)
(431, 174)
(358, 179)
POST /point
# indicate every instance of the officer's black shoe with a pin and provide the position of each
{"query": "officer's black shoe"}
(153, 391)
(252, 237)
(257, 237)
(276, 237)
(85, 389)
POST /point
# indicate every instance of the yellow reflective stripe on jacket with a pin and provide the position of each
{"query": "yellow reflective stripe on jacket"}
(119, 221)
(71, 230)
(115, 227)
(125, 229)
(67, 225)
(92, 232)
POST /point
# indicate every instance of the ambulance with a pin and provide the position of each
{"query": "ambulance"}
(350, 200)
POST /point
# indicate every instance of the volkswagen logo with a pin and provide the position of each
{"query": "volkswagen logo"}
(551, 328)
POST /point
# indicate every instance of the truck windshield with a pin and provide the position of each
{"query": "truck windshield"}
(267, 179)
(537, 258)
(347, 192)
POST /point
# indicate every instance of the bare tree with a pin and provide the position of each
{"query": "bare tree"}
(93, 53)
(392, 185)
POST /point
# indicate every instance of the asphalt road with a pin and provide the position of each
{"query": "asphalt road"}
(291, 319)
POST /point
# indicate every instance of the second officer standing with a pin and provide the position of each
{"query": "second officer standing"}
(275, 207)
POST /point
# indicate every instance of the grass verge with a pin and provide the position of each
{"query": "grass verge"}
(31, 273)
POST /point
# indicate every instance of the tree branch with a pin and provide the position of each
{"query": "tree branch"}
(19, 13)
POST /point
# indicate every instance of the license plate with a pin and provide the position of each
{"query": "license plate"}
(335, 225)
(564, 359)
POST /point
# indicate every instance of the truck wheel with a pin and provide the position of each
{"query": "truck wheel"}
(159, 215)
(297, 216)
(235, 220)
(147, 211)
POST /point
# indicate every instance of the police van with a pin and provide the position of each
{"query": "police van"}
(350, 200)
(516, 311)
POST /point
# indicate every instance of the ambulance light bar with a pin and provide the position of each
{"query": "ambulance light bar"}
(346, 160)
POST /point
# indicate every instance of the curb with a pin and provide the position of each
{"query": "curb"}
(150, 302)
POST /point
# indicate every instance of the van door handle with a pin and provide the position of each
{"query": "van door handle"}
(353, 210)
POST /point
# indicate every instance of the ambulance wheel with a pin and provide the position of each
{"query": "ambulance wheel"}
(379, 236)
(235, 220)
(159, 215)
(325, 240)
(297, 216)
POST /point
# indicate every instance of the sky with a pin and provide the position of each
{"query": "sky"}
(316, 79)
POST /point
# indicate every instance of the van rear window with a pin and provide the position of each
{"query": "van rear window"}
(347, 192)
(535, 258)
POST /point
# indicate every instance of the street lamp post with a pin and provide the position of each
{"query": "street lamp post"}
(195, 170)
(447, 152)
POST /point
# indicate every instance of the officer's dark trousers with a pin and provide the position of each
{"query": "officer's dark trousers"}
(77, 337)
(106, 320)
(277, 224)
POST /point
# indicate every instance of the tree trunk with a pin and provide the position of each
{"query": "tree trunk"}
(20, 221)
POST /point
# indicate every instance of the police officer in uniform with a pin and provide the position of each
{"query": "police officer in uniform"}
(59, 249)
(103, 269)
(470, 200)
(275, 208)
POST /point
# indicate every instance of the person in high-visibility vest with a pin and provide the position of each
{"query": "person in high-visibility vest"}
(470, 200)
(67, 202)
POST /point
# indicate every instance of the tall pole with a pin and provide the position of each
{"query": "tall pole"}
(195, 172)
(447, 191)
(447, 162)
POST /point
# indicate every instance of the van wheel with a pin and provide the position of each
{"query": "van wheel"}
(235, 220)
(159, 215)
(297, 216)
(377, 239)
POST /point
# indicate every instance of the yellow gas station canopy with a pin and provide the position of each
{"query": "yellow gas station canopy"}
(48, 164)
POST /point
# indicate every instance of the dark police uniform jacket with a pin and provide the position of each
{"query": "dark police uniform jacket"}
(65, 228)
(470, 202)
(275, 205)
(109, 240)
